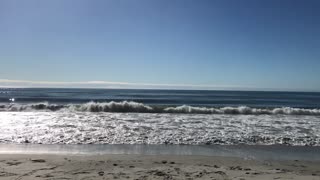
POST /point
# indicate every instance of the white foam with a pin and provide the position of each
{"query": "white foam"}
(130, 106)
(112, 106)
(154, 128)
(242, 110)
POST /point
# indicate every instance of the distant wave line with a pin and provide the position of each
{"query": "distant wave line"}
(130, 106)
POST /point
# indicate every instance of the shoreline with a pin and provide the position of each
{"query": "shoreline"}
(254, 152)
(111, 166)
(168, 162)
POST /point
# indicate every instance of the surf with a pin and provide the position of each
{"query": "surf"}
(136, 107)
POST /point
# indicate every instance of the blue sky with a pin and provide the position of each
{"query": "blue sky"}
(205, 44)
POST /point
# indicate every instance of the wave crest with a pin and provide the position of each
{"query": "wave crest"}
(124, 106)
(30, 107)
(130, 106)
(242, 110)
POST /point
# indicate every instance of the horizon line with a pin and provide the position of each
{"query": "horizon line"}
(9, 83)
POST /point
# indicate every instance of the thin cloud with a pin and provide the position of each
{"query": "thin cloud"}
(107, 84)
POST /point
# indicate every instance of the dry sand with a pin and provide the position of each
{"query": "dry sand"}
(151, 167)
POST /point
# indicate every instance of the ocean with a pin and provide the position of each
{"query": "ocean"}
(194, 117)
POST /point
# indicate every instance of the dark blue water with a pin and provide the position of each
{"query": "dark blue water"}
(164, 97)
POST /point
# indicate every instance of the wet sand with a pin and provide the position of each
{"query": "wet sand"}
(49, 166)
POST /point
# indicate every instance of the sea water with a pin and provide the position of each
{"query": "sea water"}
(114, 116)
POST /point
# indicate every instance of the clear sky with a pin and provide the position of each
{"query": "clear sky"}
(231, 44)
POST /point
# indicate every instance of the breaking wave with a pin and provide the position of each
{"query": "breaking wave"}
(130, 106)
(242, 110)
(112, 106)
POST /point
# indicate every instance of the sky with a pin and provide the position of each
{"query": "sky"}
(178, 44)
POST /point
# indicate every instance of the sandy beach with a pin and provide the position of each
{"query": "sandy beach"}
(160, 90)
(33, 166)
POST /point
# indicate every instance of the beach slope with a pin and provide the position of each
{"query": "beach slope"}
(35, 166)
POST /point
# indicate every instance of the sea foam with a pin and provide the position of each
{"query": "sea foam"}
(130, 106)
(153, 128)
